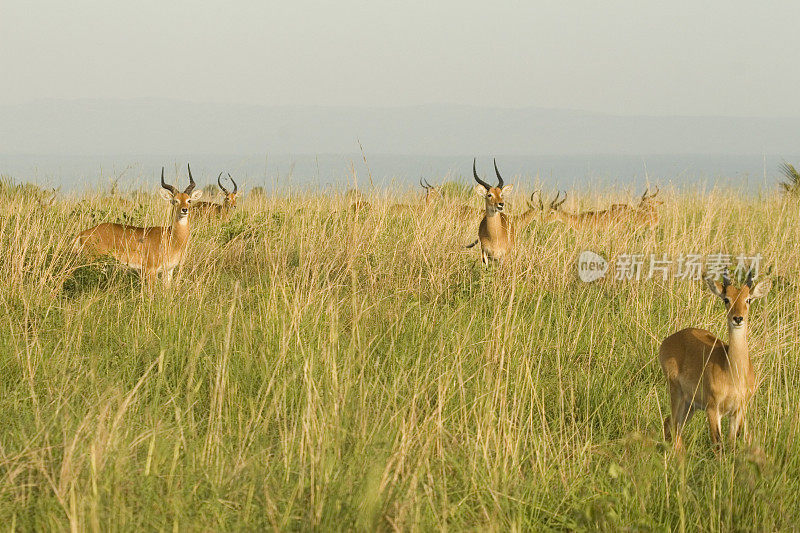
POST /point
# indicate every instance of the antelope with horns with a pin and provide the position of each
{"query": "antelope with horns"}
(462, 213)
(703, 372)
(228, 202)
(616, 214)
(431, 192)
(644, 214)
(496, 232)
(430, 195)
(149, 250)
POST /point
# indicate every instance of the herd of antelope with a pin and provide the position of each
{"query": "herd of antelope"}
(702, 371)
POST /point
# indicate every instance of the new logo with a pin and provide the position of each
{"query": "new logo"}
(591, 266)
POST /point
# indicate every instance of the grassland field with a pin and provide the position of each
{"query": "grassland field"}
(312, 369)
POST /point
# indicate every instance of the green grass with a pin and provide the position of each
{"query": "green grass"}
(311, 369)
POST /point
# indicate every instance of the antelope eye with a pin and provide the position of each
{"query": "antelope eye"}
(726, 300)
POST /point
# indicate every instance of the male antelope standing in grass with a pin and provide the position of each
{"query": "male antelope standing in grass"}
(496, 232)
(149, 250)
(228, 202)
(703, 372)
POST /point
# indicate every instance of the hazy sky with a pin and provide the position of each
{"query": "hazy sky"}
(709, 57)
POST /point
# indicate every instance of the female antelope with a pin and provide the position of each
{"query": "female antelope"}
(703, 372)
(149, 250)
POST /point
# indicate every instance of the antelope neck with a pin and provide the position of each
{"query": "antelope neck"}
(180, 230)
(494, 221)
(738, 353)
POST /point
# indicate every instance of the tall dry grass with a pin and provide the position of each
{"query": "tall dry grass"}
(315, 369)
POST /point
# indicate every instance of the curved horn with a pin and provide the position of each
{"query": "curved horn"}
(221, 186)
(749, 280)
(499, 177)
(475, 175)
(536, 193)
(167, 186)
(190, 187)
(725, 279)
(655, 193)
(646, 191)
(235, 187)
(428, 185)
(555, 204)
(422, 184)
(531, 204)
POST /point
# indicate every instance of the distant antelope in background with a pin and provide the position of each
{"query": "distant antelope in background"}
(592, 219)
(430, 195)
(149, 250)
(647, 210)
(463, 213)
(644, 214)
(703, 372)
(228, 201)
(618, 214)
(431, 192)
(357, 200)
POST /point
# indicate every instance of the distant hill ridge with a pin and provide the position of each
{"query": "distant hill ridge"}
(157, 126)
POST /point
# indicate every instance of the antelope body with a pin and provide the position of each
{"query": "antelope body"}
(703, 372)
(149, 250)
(592, 219)
(210, 209)
(644, 214)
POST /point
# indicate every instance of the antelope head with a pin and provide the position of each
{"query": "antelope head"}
(230, 197)
(431, 191)
(180, 200)
(737, 301)
(492, 195)
(551, 210)
(648, 200)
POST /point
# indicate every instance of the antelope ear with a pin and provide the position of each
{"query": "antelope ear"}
(480, 190)
(714, 287)
(507, 188)
(761, 289)
(165, 194)
(197, 194)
